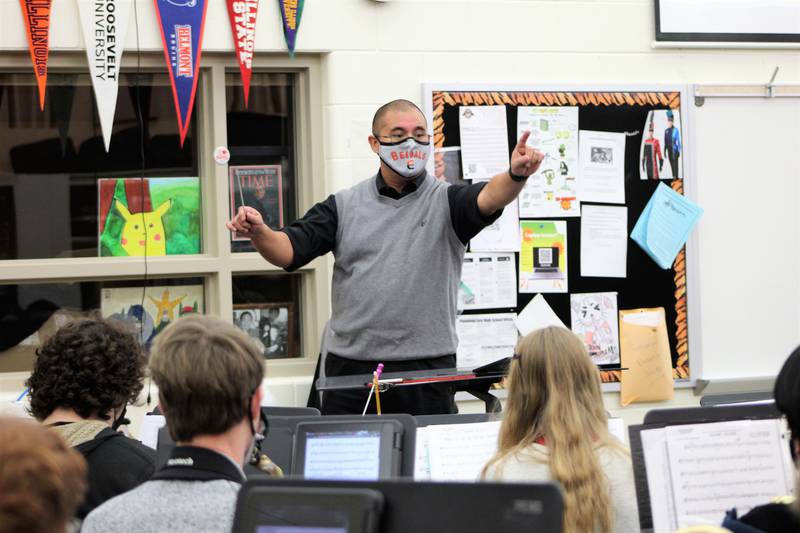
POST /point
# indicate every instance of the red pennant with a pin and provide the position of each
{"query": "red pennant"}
(36, 14)
(242, 14)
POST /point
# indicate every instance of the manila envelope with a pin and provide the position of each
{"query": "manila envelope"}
(644, 349)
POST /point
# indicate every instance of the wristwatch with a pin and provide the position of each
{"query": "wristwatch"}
(515, 177)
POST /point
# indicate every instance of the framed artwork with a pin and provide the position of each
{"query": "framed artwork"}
(151, 310)
(259, 187)
(149, 216)
(270, 325)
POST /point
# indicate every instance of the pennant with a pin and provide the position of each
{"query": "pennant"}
(36, 14)
(242, 14)
(182, 23)
(291, 11)
(105, 24)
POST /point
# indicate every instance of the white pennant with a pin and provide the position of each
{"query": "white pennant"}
(105, 23)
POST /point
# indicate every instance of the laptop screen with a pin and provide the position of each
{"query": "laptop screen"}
(545, 257)
(347, 455)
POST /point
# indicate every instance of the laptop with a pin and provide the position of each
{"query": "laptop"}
(545, 263)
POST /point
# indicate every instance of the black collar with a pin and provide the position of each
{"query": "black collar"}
(191, 463)
(408, 188)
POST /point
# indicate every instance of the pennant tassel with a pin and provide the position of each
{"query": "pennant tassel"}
(182, 23)
(242, 14)
(291, 11)
(36, 14)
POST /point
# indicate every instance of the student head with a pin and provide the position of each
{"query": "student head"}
(209, 374)
(554, 396)
(400, 138)
(42, 479)
(91, 367)
(787, 396)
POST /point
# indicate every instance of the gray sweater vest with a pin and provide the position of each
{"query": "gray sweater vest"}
(396, 274)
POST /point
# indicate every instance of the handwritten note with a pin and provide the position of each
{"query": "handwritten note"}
(484, 141)
(646, 354)
(458, 452)
(718, 466)
(665, 224)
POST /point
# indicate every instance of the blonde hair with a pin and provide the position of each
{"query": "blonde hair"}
(554, 394)
(207, 371)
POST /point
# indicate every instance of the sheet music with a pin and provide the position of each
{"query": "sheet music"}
(721, 465)
(422, 462)
(458, 452)
(659, 484)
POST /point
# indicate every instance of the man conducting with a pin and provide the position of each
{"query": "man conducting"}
(398, 239)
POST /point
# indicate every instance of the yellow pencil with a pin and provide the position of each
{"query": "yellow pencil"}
(377, 390)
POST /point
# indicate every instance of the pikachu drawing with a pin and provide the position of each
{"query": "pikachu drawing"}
(143, 233)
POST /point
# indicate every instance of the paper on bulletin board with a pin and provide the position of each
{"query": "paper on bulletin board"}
(485, 338)
(543, 256)
(488, 281)
(594, 320)
(553, 190)
(500, 236)
(646, 355)
(602, 157)
(665, 225)
(484, 141)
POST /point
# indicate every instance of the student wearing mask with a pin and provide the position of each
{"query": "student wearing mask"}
(398, 239)
(82, 379)
(555, 428)
(42, 479)
(208, 374)
(782, 515)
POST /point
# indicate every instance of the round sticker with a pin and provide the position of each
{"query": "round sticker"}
(222, 155)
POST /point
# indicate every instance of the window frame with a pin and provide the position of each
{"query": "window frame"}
(217, 264)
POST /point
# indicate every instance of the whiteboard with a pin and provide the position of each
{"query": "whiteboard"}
(728, 20)
(747, 164)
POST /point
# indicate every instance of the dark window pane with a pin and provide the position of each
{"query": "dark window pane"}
(51, 161)
(32, 311)
(268, 308)
(261, 136)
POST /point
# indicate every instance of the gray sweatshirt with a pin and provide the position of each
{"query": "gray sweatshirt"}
(396, 274)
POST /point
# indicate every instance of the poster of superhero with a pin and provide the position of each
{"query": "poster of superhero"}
(660, 157)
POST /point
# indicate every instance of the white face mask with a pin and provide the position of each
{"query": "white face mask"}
(406, 157)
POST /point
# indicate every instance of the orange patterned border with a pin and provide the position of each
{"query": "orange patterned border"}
(667, 99)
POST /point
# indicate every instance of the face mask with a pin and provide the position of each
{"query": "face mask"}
(121, 420)
(406, 157)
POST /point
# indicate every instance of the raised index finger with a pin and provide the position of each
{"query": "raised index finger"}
(522, 141)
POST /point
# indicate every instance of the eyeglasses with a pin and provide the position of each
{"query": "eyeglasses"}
(420, 137)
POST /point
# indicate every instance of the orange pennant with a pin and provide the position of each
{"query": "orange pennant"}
(36, 14)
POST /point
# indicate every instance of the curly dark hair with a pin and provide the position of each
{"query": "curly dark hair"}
(90, 366)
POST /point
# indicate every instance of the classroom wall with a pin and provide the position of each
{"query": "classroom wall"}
(376, 51)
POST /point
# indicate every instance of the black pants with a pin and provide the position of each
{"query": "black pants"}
(673, 163)
(411, 399)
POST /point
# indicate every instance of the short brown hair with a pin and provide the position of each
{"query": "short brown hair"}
(206, 371)
(42, 479)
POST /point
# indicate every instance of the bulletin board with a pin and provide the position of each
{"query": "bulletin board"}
(613, 110)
